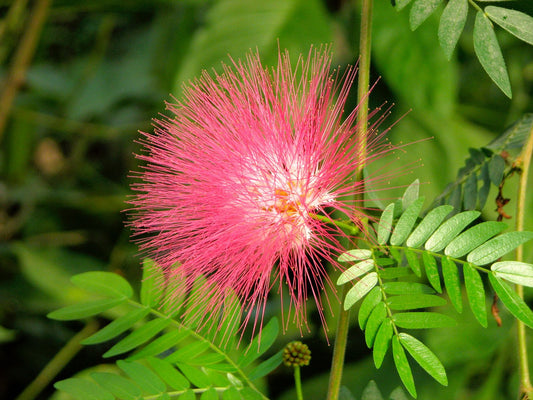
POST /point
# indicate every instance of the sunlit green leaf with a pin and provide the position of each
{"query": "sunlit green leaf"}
(83, 389)
(514, 271)
(360, 289)
(422, 320)
(410, 195)
(185, 353)
(428, 225)
(103, 283)
(414, 301)
(138, 337)
(231, 394)
(385, 224)
(407, 288)
(402, 366)
(376, 318)
(382, 342)
(144, 377)
(355, 255)
(193, 374)
(515, 22)
(489, 53)
(512, 301)
(118, 326)
(400, 4)
(432, 271)
(188, 395)
(449, 230)
(209, 394)
(369, 302)
(424, 357)
(475, 293)
(85, 310)
(452, 22)
(453, 285)
(151, 283)
(421, 10)
(406, 222)
(413, 261)
(473, 237)
(356, 271)
(168, 373)
(119, 386)
(497, 247)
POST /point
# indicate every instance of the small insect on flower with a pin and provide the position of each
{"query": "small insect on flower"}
(238, 184)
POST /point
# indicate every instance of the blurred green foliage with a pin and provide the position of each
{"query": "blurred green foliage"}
(103, 69)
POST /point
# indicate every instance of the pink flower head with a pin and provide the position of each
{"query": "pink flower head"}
(234, 181)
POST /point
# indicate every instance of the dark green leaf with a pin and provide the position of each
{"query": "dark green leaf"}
(393, 273)
(385, 224)
(371, 392)
(382, 342)
(421, 10)
(424, 357)
(85, 310)
(117, 385)
(118, 326)
(407, 288)
(193, 374)
(483, 192)
(374, 321)
(453, 285)
(515, 22)
(144, 377)
(514, 271)
(406, 222)
(428, 225)
(496, 169)
(497, 247)
(356, 271)
(138, 337)
(410, 195)
(168, 373)
(452, 23)
(398, 394)
(103, 283)
(370, 301)
(449, 230)
(473, 237)
(360, 289)
(456, 197)
(188, 352)
(489, 53)
(355, 255)
(151, 283)
(422, 320)
(83, 389)
(260, 343)
(414, 301)
(475, 293)
(385, 261)
(470, 192)
(402, 366)
(413, 261)
(208, 359)
(266, 366)
(432, 271)
(161, 344)
(512, 301)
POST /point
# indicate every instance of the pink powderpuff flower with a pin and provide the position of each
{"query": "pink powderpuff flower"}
(234, 182)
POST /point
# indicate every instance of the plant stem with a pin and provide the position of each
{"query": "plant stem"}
(343, 323)
(526, 388)
(298, 383)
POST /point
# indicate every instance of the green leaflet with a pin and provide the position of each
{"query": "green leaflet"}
(402, 366)
(385, 224)
(83, 389)
(194, 375)
(400, 4)
(452, 22)
(117, 385)
(186, 353)
(497, 247)
(370, 301)
(144, 377)
(514, 271)
(407, 288)
(85, 310)
(406, 222)
(421, 10)
(414, 301)
(118, 326)
(371, 392)
(230, 320)
(138, 337)
(424, 357)
(489, 53)
(355, 255)
(266, 366)
(377, 316)
(231, 394)
(360, 289)
(356, 271)
(207, 359)
(449, 230)
(410, 195)
(382, 342)
(188, 395)
(103, 283)
(515, 22)
(395, 272)
(151, 283)
(168, 373)
(470, 192)
(452, 283)
(428, 225)
(432, 271)
(473, 237)
(260, 343)
(475, 293)
(422, 320)
(496, 169)
(209, 394)
(412, 260)
(512, 301)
